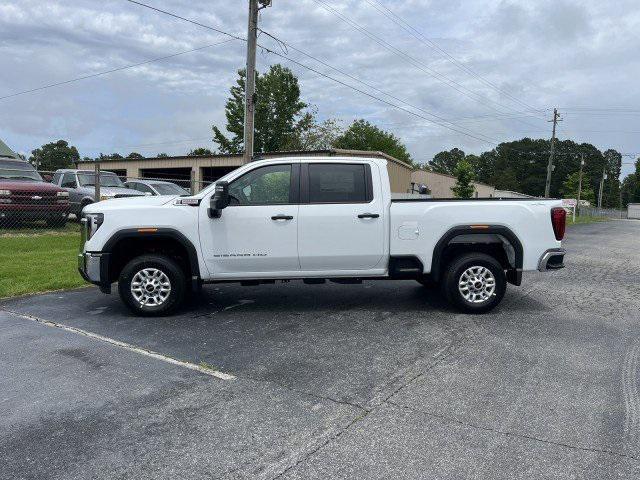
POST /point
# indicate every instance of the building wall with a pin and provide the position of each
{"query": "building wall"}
(440, 184)
(633, 210)
(399, 172)
(510, 194)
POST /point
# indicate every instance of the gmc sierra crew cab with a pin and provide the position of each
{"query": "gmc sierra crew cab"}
(315, 219)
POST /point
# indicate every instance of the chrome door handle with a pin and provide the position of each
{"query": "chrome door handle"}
(282, 217)
(368, 215)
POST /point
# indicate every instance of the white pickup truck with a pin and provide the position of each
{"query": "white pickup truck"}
(315, 219)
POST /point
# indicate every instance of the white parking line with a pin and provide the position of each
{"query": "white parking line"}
(127, 346)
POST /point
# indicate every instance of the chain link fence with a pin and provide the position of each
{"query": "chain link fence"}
(39, 201)
(613, 213)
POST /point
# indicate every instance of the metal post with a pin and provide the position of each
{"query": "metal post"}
(97, 181)
(579, 186)
(547, 187)
(192, 182)
(250, 81)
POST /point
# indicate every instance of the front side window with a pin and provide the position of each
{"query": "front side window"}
(263, 186)
(337, 183)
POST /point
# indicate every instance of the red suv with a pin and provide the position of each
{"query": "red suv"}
(25, 197)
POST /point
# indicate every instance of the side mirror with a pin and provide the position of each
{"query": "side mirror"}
(423, 190)
(219, 200)
(47, 178)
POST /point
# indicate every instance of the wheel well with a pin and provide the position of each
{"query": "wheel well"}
(128, 248)
(498, 242)
(454, 250)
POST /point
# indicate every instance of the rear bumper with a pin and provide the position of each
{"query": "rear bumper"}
(552, 259)
(94, 268)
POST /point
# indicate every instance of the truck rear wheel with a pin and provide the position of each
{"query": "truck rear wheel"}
(474, 282)
(152, 285)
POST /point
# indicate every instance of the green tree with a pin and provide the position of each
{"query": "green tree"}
(446, 162)
(571, 184)
(111, 156)
(464, 187)
(362, 135)
(631, 187)
(611, 192)
(278, 108)
(54, 155)
(135, 155)
(200, 151)
(309, 134)
(162, 155)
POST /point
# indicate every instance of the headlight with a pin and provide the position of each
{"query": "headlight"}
(93, 220)
(62, 194)
(5, 192)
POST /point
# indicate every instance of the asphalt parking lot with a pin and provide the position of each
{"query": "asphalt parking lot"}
(379, 380)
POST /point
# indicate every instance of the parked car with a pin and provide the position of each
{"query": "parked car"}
(81, 187)
(156, 187)
(25, 197)
(316, 219)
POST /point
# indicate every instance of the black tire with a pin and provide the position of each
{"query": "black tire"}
(454, 273)
(79, 212)
(165, 265)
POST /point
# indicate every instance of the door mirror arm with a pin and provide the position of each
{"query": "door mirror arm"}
(219, 200)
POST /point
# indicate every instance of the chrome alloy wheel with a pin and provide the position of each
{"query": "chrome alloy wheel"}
(477, 284)
(150, 287)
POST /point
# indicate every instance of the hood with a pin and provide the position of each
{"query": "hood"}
(118, 203)
(29, 186)
(117, 191)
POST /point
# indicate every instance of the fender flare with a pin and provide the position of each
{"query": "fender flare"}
(515, 277)
(158, 233)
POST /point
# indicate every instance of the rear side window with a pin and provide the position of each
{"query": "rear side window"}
(338, 183)
(69, 180)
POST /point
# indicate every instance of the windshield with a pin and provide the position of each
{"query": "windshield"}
(106, 180)
(25, 175)
(169, 189)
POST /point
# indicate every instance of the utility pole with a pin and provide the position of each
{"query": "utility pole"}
(250, 81)
(556, 119)
(579, 188)
(604, 177)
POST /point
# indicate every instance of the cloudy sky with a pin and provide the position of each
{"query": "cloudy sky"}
(485, 70)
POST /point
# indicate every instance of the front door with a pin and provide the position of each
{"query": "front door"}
(257, 234)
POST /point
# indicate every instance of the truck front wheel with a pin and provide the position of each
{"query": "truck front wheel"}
(474, 282)
(152, 285)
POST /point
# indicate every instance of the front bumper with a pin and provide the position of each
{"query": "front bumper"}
(552, 259)
(94, 268)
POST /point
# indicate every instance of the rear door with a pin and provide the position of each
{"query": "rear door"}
(341, 218)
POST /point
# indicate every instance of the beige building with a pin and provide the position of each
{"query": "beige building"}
(440, 184)
(200, 171)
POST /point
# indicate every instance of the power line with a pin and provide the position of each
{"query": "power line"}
(418, 64)
(475, 136)
(174, 15)
(352, 77)
(119, 69)
(421, 38)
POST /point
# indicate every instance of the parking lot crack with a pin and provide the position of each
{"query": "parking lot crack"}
(508, 433)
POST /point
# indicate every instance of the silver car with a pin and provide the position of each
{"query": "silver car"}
(156, 187)
(81, 187)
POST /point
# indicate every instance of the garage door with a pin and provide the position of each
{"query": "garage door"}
(634, 210)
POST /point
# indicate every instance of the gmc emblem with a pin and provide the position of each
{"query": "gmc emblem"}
(36, 197)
